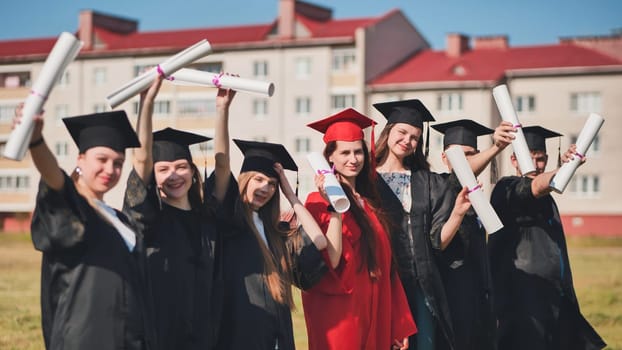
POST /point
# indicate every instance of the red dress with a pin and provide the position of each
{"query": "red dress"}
(346, 309)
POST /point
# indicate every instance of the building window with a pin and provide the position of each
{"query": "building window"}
(99, 108)
(64, 79)
(13, 183)
(99, 76)
(7, 113)
(303, 67)
(585, 185)
(594, 147)
(344, 60)
(160, 108)
(213, 67)
(260, 108)
(449, 102)
(14, 79)
(525, 103)
(303, 106)
(342, 101)
(303, 145)
(60, 112)
(260, 69)
(142, 68)
(585, 102)
(196, 108)
(61, 149)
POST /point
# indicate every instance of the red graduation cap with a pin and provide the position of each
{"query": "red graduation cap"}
(346, 125)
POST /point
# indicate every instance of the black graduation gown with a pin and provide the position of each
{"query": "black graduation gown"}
(251, 318)
(466, 276)
(93, 289)
(416, 239)
(535, 301)
(182, 251)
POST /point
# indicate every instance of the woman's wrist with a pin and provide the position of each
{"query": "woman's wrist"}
(36, 142)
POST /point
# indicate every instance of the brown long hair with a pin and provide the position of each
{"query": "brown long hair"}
(277, 272)
(412, 161)
(367, 188)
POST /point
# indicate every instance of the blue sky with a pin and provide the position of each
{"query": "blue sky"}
(526, 22)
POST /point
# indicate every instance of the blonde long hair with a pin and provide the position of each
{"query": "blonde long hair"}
(277, 262)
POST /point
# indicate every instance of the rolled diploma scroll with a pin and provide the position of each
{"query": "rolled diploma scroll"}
(587, 135)
(63, 53)
(508, 113)
(336, 196)
(480, 203)
(186, 76)
(168, 67)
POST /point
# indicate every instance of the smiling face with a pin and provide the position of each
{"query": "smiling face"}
(100, 169)
(348, 159)
(403, 139)
(174, 179)
(259, 190)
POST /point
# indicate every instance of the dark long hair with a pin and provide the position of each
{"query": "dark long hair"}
(367, 188)
(277, 272)
(413, 161)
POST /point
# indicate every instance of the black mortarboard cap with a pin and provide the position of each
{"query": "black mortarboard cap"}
(108, 129)
(261, 156)
(171, 144)
(461, 132)
(411, 112)
(536, 137)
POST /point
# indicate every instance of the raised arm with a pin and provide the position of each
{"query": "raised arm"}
(334, 233)
(143, 157)
(303, 216)
(540, 184)
(451, 226)
(503, 136)
(44, 159)
(221, 143)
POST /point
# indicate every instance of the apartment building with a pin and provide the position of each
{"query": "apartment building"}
(556, 86)
(320, 64)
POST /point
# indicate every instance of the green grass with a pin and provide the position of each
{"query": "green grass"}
(596, 266)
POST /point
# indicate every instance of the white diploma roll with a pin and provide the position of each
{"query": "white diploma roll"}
(168, 67)
(567, 170)
(480, 203)
(336, 196)
(508, 113)
(63, 53)
(188, 76)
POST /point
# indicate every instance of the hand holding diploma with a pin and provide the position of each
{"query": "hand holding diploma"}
(166, 68)
(334, 191)
(63, 53)
(188, 76)
(584, 141)
(478, 199)
(508, 113)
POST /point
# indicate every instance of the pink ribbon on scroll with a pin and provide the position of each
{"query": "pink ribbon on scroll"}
(161, 72)
(581, 156)
(42, 96)
(324, 171)
(216, 80)
(474, 189)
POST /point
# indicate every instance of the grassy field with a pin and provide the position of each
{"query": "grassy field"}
(596, 265)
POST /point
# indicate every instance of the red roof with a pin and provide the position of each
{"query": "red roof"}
(179, 39)
(490, 64)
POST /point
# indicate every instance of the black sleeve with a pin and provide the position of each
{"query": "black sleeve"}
(59, 217)
(308, 266)
(442, 202)
(141, 203)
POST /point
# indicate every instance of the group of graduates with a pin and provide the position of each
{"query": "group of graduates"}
(198, 262)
